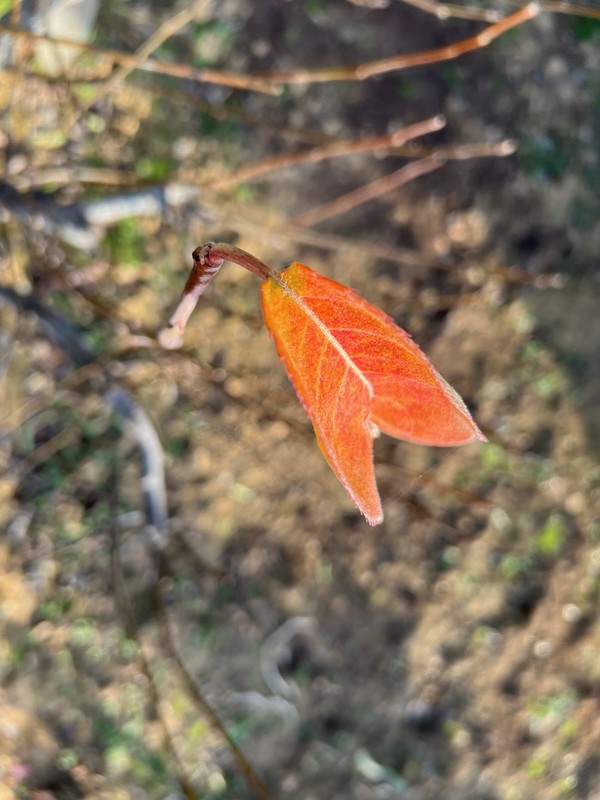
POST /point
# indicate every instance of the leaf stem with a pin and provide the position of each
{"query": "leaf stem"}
(213, 254)
(208, 260)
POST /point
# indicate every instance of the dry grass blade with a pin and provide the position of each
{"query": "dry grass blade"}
(60, 442)
(367, 192)
(427, 479)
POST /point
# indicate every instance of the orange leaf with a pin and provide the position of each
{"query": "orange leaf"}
(356, 372)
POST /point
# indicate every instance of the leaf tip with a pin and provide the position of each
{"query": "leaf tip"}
(373, 520)
(479, 435)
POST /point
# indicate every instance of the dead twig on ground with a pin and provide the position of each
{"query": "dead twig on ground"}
(137, 424)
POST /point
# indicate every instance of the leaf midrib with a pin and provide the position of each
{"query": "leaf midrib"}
(322, 327)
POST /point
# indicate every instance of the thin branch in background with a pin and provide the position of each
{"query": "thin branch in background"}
(234, 80)
(367, 192)
(245, 768)
(463, 152)
(332, 150)
(445, 10)
(441, 488)
(15, 13)
(394, 63)
(557, 7)
(280, 234)
(383, 144)
(131, 630)
(169, 28)
(269, 82)
(386, 143)
(372, 4)
(318, 139)
(68, 175)
(138, 425)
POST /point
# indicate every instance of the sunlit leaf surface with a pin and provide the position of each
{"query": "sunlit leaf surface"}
(356, 373)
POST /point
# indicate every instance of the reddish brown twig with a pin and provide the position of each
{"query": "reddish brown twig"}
(457, 152)
(371, 68)
(368, 192)
(372, 4)
(221, 77)
(331, 150)
(269, 82)
(557, 7)
(168, 29)
(255, 784)
(446, 10)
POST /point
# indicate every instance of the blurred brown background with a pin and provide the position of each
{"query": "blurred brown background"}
(451, 653)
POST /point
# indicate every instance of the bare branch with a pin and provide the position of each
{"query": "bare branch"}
(371, 3)
(254, 782)
(446, 10)
(279, 234)
(169, 28)
(557, 7)
(394, 63)
(334, 149)
(131, 629)
(137, 423)
(367, 192)
(234, 80)
(15, 12)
